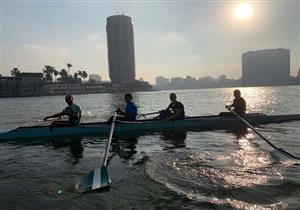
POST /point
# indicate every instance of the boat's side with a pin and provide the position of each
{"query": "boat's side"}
(102, 129)
(47, 132)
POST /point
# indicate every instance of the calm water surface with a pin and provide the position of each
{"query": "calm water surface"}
(192, 170)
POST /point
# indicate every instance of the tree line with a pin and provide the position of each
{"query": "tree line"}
(49, 72)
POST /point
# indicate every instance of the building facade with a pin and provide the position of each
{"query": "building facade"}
(120, 45)
(266, 67)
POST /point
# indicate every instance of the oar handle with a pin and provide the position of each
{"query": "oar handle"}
(250, 126)
(109, 138)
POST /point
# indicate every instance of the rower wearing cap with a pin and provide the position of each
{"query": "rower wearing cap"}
(72, 111)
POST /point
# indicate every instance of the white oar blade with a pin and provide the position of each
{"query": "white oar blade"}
(97, 179)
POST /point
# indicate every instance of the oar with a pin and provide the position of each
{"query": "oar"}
(151, 113)
(98, 179)
(281, 151)
(47, 121)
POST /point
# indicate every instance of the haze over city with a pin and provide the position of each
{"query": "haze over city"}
(171, 38)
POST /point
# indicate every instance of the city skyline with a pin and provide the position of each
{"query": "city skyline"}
(182, 38)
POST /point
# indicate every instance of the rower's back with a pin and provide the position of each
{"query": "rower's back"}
(239, 106)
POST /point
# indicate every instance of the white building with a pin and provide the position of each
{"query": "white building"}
(95, 77)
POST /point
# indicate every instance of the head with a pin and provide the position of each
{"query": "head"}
(128, 97)
(69, 99)
(237, 93)
(173, 97)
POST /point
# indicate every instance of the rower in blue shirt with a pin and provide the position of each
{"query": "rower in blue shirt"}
(130, 112)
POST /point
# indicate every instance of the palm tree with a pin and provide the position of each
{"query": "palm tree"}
(69, 66)
(48, 71)
(75, 75)
(80, 74)
(55, 72)
(64, 74)
(84, 75)
(15, 72)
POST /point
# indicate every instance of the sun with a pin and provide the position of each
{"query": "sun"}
(243, 11)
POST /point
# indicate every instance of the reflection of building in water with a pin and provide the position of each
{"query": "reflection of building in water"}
(266, 67)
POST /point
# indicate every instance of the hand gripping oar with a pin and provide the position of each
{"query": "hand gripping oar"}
(282, 151)
(98, 179)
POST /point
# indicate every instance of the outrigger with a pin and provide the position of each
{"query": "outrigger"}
(197, 123)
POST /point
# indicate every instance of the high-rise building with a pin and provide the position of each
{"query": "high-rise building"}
(266, 67)
(120, 44)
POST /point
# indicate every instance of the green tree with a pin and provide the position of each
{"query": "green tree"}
(75, 75)
(48, 71)
(84, 75)
(63, 74)
(80, 74)
(15, 72)
(55, 72)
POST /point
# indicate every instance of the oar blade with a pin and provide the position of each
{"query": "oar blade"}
(97, 179)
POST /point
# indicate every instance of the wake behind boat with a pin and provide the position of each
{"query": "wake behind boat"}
(197, 123)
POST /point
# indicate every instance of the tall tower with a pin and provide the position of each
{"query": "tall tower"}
(120, 45)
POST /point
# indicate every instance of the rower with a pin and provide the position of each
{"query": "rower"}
(175, 110)
(72, 111)
(130, 112)
(239, 105)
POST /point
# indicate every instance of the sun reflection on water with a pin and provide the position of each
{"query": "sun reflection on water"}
(258, 98)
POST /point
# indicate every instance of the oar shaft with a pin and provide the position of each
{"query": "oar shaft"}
(109, 139)
(150, 113)
(250, 126)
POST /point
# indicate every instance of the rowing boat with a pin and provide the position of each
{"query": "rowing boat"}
(197, 123)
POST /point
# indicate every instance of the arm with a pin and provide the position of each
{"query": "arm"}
(229, 106)
(60, 114)
(168, 108)
(175, 115)
(120, 112)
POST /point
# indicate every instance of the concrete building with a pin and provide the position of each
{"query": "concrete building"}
(120, 45)
(266, 67)
(94, 77)
(63, 88)
(30, 84)
(25, 84)
(162, 82)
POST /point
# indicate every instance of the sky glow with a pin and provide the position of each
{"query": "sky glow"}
(196, 38)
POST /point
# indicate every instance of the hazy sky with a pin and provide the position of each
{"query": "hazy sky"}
(172, 38)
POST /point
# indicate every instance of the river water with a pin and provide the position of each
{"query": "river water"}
(192, 170)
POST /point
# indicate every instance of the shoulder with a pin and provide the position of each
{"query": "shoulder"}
(75, 106)
(131, 104)
(180, 104)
